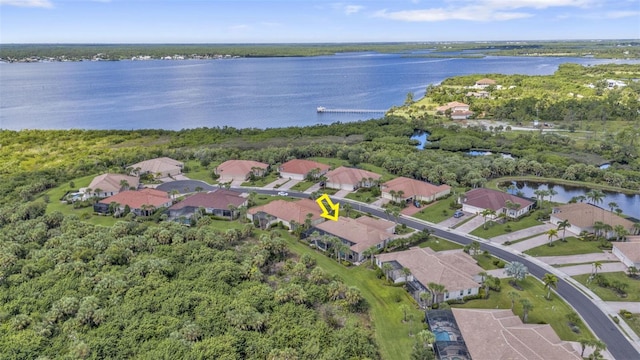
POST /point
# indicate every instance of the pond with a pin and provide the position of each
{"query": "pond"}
(630, 204)
(421, 136)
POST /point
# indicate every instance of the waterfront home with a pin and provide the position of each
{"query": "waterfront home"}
(628, 252)
(357, 234)
(110, 184)
(466, 334)
(475, 201)
(299, 169)
(241, 170)
(456, 110)
(456, 270)
(345, 178)
(406, 189)
(141, 203)
(220, 202)
(158, 167)
(484, 83)
(588, 217)
(290, 213)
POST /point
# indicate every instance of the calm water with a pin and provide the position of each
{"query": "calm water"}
(630, 204)
(265, 92)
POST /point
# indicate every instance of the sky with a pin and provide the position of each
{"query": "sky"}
(314, 21)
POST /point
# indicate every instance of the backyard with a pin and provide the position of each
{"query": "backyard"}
(572, 246)
(608, 294)
(196, 171)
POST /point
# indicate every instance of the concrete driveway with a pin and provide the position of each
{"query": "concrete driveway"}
(313, 188)
(588, 268)
(273, 184)
(451, 221)
(633, 306)
(531, 243)
(512, 236)
(289, 184)
(578, 259)
(341, 193)
(471, 225)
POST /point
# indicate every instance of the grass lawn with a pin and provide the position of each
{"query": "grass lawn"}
(607, 294)
(495, 229)
(362, 195)
(439, 244)
(302, 186)
(633, 322)
(486, 261)
(199, 172)
(553, 312)
(259, 182)
(573, 246)
(435, 212)
(334, 163)
(262, 199)
(391, 334)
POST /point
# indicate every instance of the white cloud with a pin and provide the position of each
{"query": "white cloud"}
(28, 3)
(352, 9)
(482, 10)
(621, 14)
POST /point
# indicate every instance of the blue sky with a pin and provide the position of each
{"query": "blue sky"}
(243, 21)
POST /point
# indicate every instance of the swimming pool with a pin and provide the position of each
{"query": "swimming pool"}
(442, 336)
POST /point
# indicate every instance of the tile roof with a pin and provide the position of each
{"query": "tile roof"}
(492, 199)
(111, 182)
(412, 187)
(290, 210)
(158, 165)
(362, 231)
(346, 175)
(630, 249)
(302, 167)
(584, 215)
(135, 199)
(231, 168)
(450, 105)
(486, 81)
(217, 199)
(504, 336)
(454, 269)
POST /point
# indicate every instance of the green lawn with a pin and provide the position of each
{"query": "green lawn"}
(486, 261)
(435, 212)
(199, 172)
(271, 177)
(553, 312)
(392, 335)
(439, 244)
(362, 195)
(262, 199)
(302, 186)
(573, 246)
(607, 294)
(495, 229)
(634, 323)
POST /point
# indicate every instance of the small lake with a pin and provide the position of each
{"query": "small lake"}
(422, 138)
(630, 204)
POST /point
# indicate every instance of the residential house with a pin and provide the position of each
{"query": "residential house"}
(476, 201)
(241, 170)
(583, 217)
(290, 213)
(345, 178)
(456, 270)
(628, 252)
(219, 202)
(457, 110)
(484, 83)
(358, 234)
(142, 202)
(503, 336)
(159, 167)
(298, 169)
(406, 189)
(478, 94)
(110, 184)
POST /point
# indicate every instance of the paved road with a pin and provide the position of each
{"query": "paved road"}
(604, 328)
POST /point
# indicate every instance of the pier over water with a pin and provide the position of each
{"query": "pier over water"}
(322, 109)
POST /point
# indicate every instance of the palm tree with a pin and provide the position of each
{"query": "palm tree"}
(386, 268)
(597, 265)
(551, 194)
(124, 184)
(347, 208)
(563, 225)
(526, 307)
(595, 196)
(550, 281)
(513, 296)
(636, 228)
(369, 253)
(485, 213)
(620, 231)
(598, 226)
(612, 205)
(406, 272)
(551, 233)
(393, 195)
(437, 290)
(475, 246)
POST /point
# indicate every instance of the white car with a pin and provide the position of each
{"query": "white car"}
(282, 193)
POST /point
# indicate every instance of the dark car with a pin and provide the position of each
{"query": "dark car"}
(458, 214)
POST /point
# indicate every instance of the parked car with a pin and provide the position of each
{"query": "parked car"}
(458, 214)
(282, 193)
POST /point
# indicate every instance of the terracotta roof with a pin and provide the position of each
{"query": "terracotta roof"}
(217, 199)
(630, 249)
(238, 167)
(412, 187)
(504, 336)
(345, 175)
(362, 232)
(486, 81)
(454, 269)
(584, 215)
(492, 199)
(302, 167)
(135, 199)
(450, 105)
(111, 182)
(290, 210)
(158, 165)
